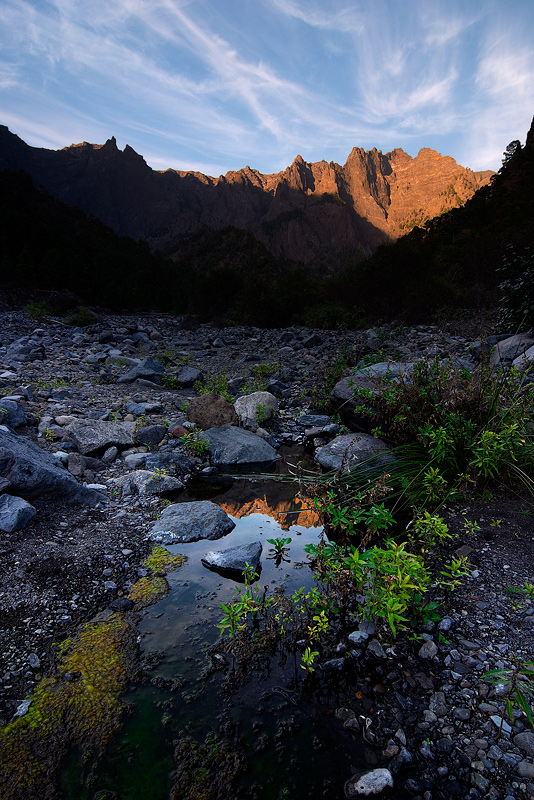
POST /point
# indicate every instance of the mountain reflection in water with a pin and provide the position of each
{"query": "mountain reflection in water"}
(275, 500)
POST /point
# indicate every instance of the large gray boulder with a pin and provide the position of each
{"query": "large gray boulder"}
(24, 350)
(232, 447)
(190, 522)
(253, 409)
(347, 451)
(92, 435)
(31, 472)
(509, 349)
(234, 559)
(15, 513)
(374, 783)
(148, 369)
(144, 483)
(15, 414)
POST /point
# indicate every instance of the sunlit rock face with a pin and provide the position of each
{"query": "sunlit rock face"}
(319, 212)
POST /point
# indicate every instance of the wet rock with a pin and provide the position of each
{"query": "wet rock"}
(211, 411)
(376, 783)
(190, 522)
(345, 452)
(91, 435)
(231, 446)
(234, 559)
(15, 513)
(253, 409)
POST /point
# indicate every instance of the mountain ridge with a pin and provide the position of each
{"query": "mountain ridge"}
(320, 213)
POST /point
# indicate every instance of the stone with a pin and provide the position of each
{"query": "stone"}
(32, 472)
(150, 435)
(525, 742)
(376, 783)
(253, 409)
(525, 769)
(428, 650)
(510, 349)
(91, 435)
(144, 483)
(234, 559)
(347, 451)
(358, 637)
(230, 447)
(375, 649)
(524, 361)
(188, 376)
(142, 409)
(25, 349)
(313, 420)
(16, 416)
(211, 411)
(148, 368)
(190, 522)
(15, 513)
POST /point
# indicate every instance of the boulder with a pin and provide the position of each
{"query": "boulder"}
(232, 447)
(190, 522)
(148, 368)
(211, 411)
(524, 362)
(15, 414)
(15, 513)
(25, 349)
(347, 396)
(33, 472)
(509, 349)
(347, 451)
(142, 482)
(254, 409)
(188, 376)
(150, 435)
(91, 435)
(234, 559)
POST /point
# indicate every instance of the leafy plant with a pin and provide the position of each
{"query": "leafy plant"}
(194, 443)
(279, 549)
(520, 681)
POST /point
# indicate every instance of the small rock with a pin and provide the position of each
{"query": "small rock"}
(428, 650)
(370, 784)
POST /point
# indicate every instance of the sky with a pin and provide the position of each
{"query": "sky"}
(214, 85)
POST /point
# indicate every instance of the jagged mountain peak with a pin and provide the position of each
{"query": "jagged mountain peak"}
(316, 212)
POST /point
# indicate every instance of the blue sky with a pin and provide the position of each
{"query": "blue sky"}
(214, 85)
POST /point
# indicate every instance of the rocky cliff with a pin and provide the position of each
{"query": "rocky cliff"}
(318, 213)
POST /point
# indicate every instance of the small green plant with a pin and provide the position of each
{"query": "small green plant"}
(261, 416)
(82, 317)
(496, 523)
(279, 549)
(49, 435)
(194, 443)
(308, 657)
(520, 682)
(214, 384)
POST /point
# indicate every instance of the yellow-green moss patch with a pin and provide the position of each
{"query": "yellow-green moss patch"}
(153, 587)
(79, 705)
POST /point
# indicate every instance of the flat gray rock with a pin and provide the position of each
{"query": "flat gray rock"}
(234, 559)
(345, 452)
(144, 483)
(230, 446)
(91, 435)
(148, 368)
(190, 522)
(32, 472)
(15, 513)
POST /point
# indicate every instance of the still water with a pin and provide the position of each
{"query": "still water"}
(290, 742)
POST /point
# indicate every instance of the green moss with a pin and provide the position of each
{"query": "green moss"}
(205, 771)
(152, 588)
(79, 705)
